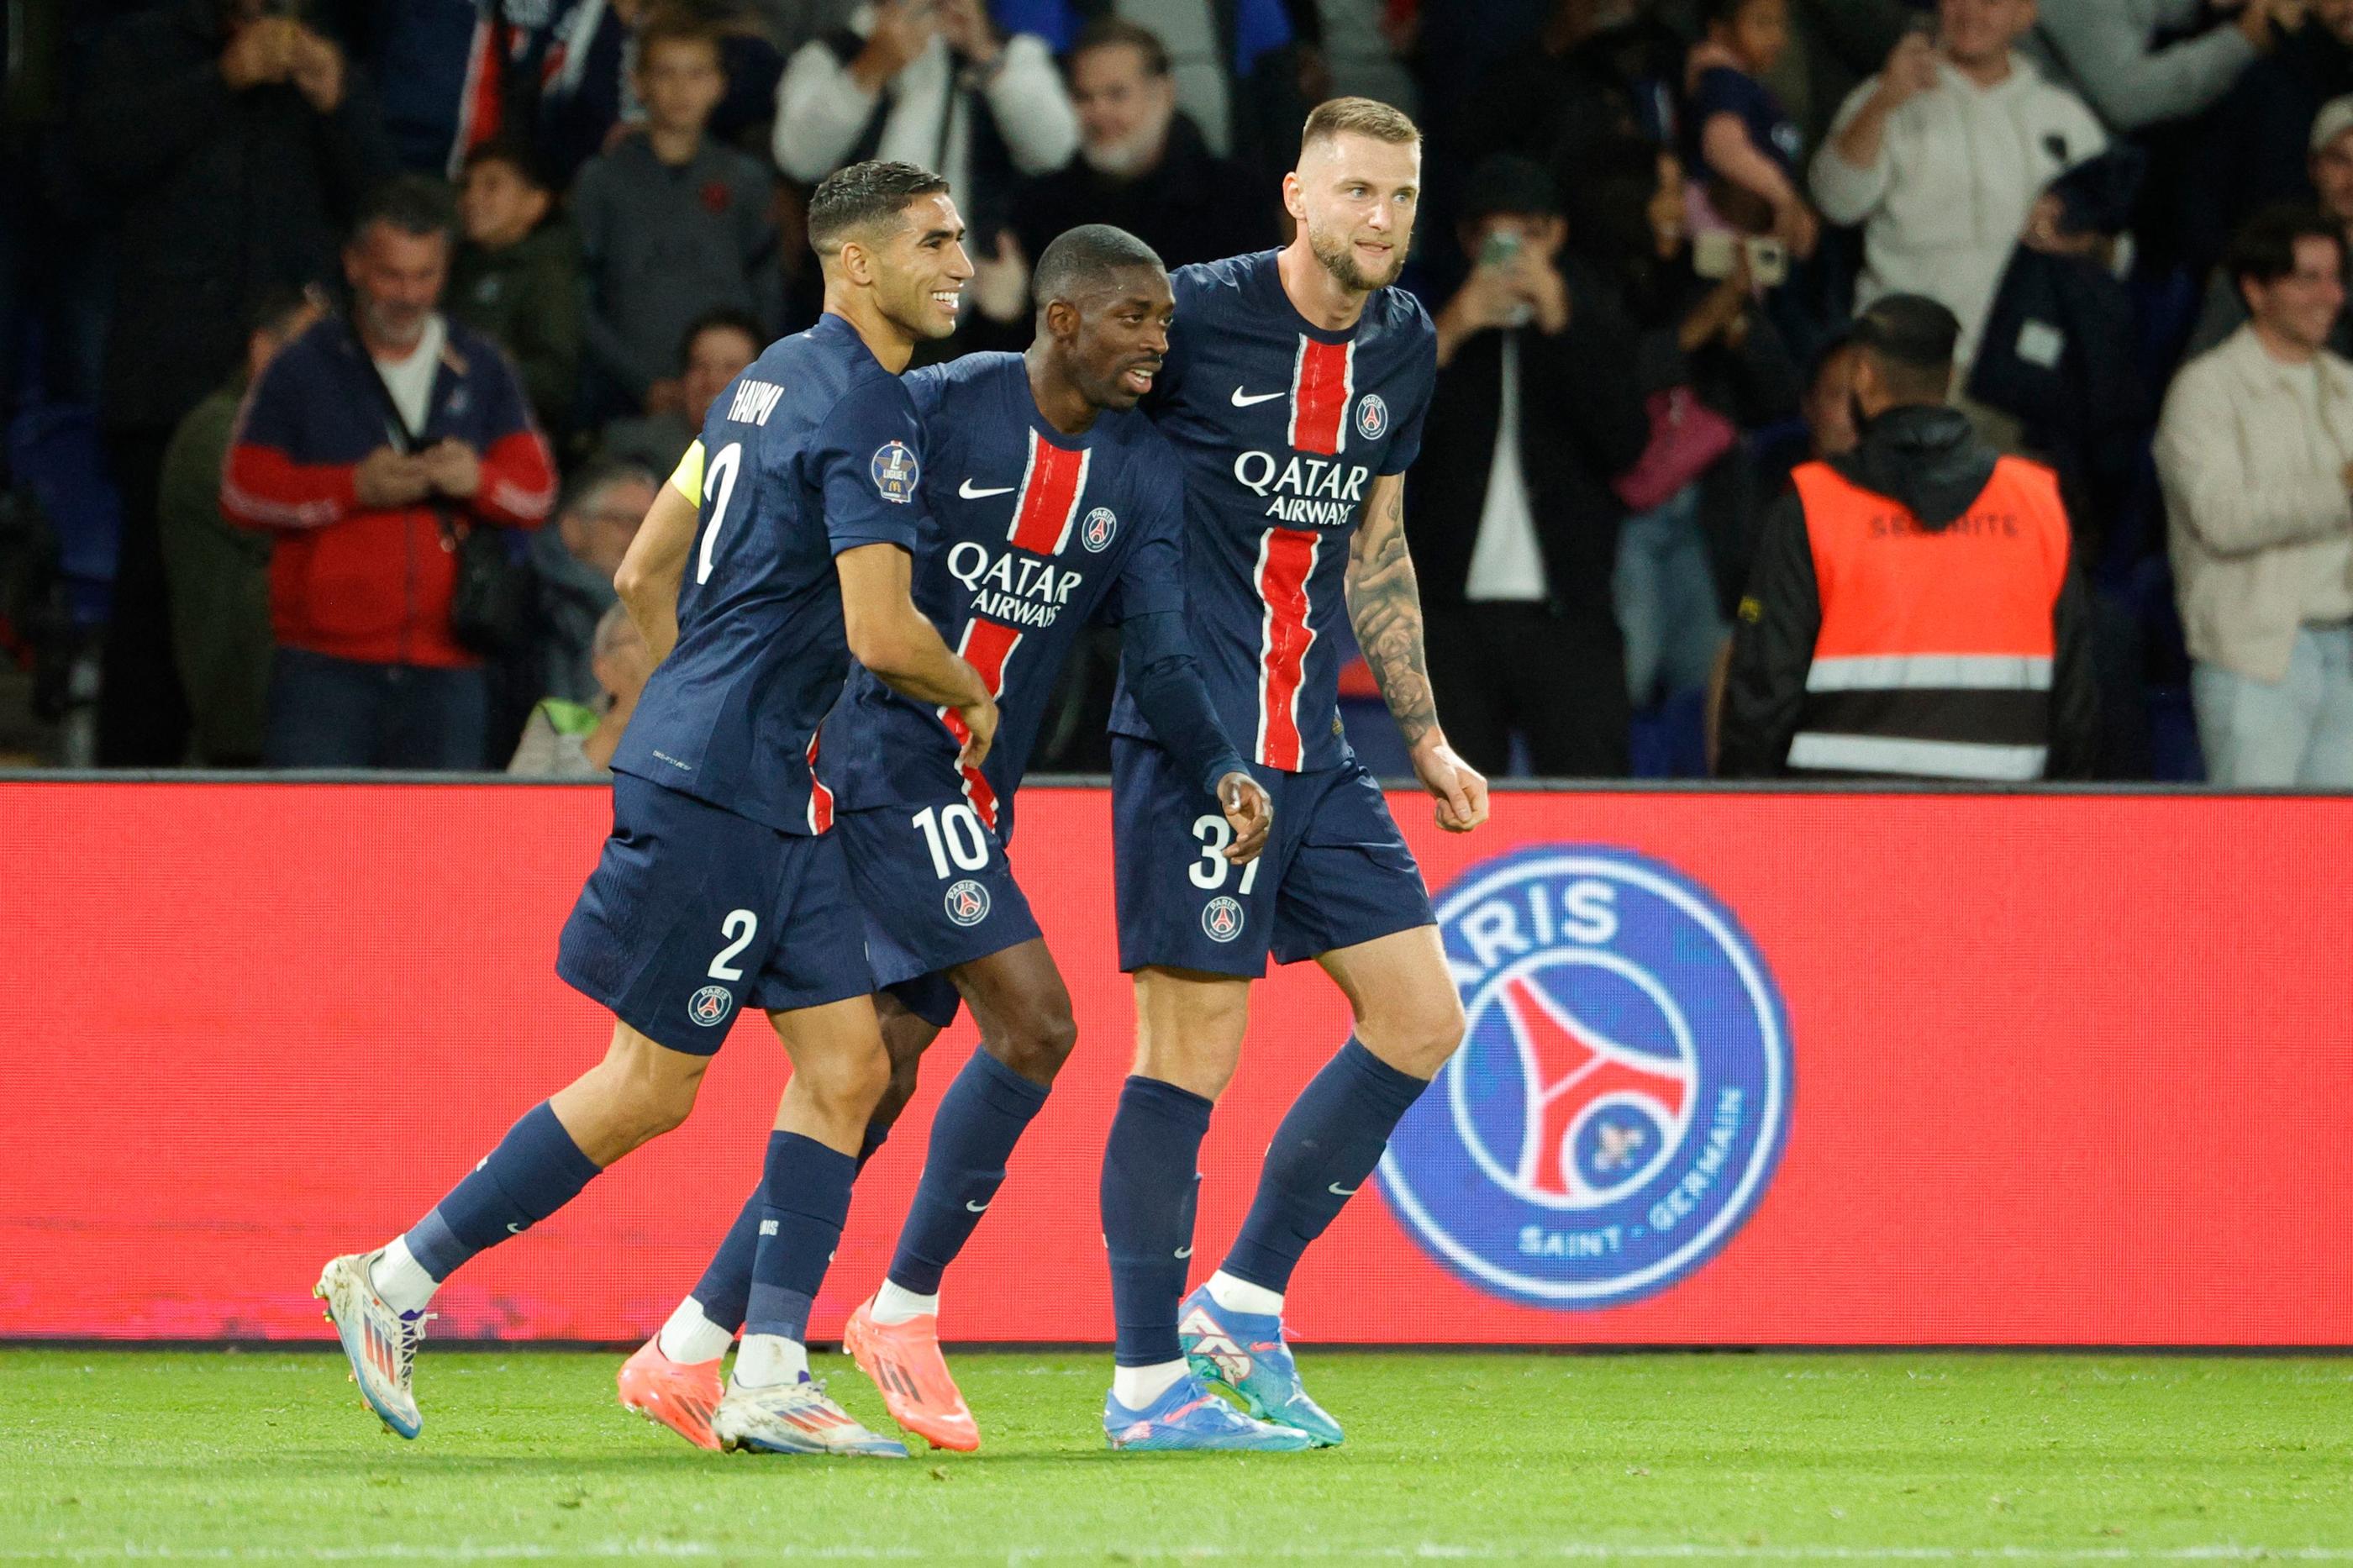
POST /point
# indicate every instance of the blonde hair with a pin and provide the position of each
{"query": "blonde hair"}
(1337, 117)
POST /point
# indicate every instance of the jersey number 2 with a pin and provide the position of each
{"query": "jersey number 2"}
(719, 481)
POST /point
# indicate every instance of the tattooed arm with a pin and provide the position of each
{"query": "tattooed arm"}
(1385, 611)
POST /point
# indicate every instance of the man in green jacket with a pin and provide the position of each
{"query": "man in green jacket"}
(217, 574)
(516, 279)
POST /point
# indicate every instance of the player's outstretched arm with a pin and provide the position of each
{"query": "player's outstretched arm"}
(1164, 679)
(1385, 611)
(649, 574)
(890, 637)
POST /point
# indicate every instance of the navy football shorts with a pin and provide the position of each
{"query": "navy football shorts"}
(937, 892)
(694, 913)
(1334, 872)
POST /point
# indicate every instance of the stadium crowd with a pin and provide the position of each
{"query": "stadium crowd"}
(346, 341)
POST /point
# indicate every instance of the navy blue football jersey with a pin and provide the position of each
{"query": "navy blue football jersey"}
(813, 450)
(1282, 427)
(1030, 534)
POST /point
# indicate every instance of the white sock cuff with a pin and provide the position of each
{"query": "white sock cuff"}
(896, 1304)
(1137, 1387)
(400, 1279)
(1241, 1296)
(691, 1337)
(766, 1360)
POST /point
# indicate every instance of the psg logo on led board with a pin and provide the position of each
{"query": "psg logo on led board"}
(1623, 1093)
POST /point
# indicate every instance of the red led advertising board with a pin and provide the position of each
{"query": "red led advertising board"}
(1742, 1069)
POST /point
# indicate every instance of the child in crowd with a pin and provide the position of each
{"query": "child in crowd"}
(516, 274)
(1740, 132)
(673, 224)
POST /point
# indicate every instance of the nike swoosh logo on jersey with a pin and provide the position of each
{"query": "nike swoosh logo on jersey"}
(976, 1208)
(1244, 399)
(965, 491)
(1183, 1252)
(1337, 1191)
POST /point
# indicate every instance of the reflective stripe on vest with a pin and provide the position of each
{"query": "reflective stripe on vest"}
(1933, 659)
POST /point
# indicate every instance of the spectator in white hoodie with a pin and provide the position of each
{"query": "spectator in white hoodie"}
(1943, 157)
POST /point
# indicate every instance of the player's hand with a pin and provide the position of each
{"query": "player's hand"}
(1460, 789)
(387, 478)
(454, 468)
(1250, 812)
(980, 731)
(315, 66)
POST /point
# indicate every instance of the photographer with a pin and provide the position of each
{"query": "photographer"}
(1510, 521)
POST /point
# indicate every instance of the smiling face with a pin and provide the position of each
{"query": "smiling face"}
(2301, 306)
(497, 206)
(1124, 108)
(918, 269)
(1114, 335)
(1355, 196)
(1980, 31)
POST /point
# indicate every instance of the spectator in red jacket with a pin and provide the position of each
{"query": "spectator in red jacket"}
(370, 446)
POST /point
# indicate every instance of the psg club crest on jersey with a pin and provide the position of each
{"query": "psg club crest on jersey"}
(967, 903)
(1096, 532)
(1221, 917)
(1621, 1096)
(710, 1005)
(1372, 417)
(896, 471)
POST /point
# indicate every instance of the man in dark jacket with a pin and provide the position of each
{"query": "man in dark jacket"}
(1915, 613)
(1511, 519)
(236, 146)
(1142, 164)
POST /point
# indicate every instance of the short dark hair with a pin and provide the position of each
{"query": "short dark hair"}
(1509, 182)
(411, 203)
(275, 309)
(1085, 255)
(677, 25)
(516, 155)
(1711, 11)
(728, 317)
(1910, 339)
(863, 196)
(1115, 32)
(2264, 247)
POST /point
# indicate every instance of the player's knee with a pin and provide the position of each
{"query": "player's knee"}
(645, 1089)
(1039, 1046)
(1419, 1039)
(848, 1084)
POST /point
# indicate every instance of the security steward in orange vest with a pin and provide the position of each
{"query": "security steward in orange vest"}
(1914, 613)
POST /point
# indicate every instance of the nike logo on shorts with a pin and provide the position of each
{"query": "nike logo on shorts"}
(1244, 399)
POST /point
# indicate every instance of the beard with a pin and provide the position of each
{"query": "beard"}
(391, 327)
(1339, 258)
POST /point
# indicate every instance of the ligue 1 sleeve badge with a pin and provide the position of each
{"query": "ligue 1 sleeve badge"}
(1623, 1093)
(896, 471)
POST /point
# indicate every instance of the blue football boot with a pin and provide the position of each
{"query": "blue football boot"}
(1243, 1354)
(1189, 1416)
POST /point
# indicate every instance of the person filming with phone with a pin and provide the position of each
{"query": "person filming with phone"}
(1510, 518)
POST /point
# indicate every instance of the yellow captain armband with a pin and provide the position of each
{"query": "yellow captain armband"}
(686, 477)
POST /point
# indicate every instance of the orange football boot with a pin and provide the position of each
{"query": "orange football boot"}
(679, 1395)
(903, 1360)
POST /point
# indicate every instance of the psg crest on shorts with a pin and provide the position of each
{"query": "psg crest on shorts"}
(1222, 919)
(1622, 1095)
(896, 471)
(710, 1005)
(967, 903)
(1096, 532)
(1372, 417)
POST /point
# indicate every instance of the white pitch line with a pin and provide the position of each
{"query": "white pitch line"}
(489, 1552)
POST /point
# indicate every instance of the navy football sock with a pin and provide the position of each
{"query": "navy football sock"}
(535, 1169)
(877, 1134)
(1150, 1184)
(979, 1120)
(1328, 1145)
(806, 1198)
(724, 1291)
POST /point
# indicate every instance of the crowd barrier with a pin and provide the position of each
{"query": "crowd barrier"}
(1743, 1068)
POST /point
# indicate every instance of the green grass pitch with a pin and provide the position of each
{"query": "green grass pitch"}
(1774, 1458)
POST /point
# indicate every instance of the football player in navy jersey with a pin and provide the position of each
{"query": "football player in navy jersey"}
(1295, 390)
(1052, 504)
(721, 888)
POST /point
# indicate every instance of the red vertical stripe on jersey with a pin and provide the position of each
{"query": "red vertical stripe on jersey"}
(1050, 487)
(1285, 558)
(481, 103)
(987, 645)
(1321, 385)
(820, 806)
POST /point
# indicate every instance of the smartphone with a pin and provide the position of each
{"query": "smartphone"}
(1499, 247)
(1713, 253)
(1768, 261)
